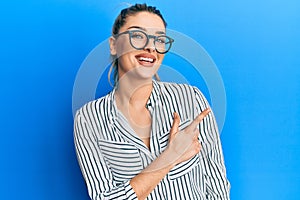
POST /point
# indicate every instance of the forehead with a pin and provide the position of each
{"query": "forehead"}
(145, 20)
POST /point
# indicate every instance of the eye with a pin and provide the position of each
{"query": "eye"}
(138, 35)
(162, 39)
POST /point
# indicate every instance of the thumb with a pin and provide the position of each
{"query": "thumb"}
(175, 126)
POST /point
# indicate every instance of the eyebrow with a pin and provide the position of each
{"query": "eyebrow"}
(142, 28)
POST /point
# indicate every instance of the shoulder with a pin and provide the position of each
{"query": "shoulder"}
(174, 86)
(180, 88)
(184, 93)
(95, 107)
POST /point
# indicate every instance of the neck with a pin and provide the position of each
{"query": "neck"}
(133, 92)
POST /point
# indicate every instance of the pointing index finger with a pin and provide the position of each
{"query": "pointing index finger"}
(199, 118)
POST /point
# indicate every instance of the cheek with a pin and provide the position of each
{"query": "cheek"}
(126, 60)
(123, 47)
(160, 57)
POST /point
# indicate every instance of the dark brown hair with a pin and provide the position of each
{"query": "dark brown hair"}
(121, 20)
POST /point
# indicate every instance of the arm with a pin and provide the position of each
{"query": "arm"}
(217, 184)
(182, 146)
(96, 173)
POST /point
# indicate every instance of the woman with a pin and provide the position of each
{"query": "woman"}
(148, 139)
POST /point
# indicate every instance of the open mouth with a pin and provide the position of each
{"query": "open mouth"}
(146, 60)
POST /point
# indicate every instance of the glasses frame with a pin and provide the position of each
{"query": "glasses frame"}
(130, 33)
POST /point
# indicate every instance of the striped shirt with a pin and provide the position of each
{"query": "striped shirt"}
(110, 154)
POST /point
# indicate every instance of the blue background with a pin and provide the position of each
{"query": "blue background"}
(255, 44)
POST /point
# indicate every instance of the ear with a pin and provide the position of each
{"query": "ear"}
(112, 45)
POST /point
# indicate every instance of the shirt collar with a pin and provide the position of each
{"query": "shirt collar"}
(153, 98)
(116, 116)
(154, 95)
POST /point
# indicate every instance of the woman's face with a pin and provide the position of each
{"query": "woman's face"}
(142, 63)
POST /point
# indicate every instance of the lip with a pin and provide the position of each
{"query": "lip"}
(147, 56)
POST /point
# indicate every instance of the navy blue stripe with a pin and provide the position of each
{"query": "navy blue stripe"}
(110, 154)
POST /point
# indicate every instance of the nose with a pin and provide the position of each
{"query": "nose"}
(150, 46)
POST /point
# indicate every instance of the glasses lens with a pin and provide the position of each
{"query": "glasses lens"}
(138, 39)
(162, 44)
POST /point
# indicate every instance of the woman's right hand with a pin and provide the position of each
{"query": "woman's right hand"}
(184, 144)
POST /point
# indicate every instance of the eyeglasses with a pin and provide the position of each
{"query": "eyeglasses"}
(139, 40)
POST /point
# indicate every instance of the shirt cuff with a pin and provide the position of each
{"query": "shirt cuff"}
(129, 191)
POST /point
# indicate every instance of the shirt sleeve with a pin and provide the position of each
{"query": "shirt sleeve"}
(216, 182)
(96, 172)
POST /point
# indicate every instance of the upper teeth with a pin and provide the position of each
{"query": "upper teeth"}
(146, 59)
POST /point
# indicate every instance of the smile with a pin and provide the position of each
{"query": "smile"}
(146, 59)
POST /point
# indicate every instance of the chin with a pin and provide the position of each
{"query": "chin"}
(146, 72)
